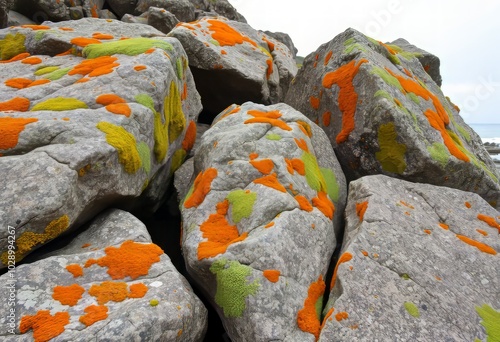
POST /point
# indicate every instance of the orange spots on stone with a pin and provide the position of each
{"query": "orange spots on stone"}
(269, 69)
(44, 325)
(190, 136)
(444, 226)
(83, 41)
(407, 213)
(95, 67)
(314, 101)
(18, 83)
(489, 220)
(138, 290)
(264, 166)
(479, 245)
(296, 165)
(324, 204)
(68, 29)
(184, 94)
(75, 269)
(201, 185)
(327, 57)
(361, 209)
(10, 128)
(303, 203)
(83, 80)
(272, 275)
(327, 117)
(109, 291)
(114, 104)
(18, 104)
(85, 245)
(93, 12)
(307, 318)
(253, 155)
(131, 259)
(223, 52)
(270, 181)
(268, 117)
(226, 35)
(345, 257)
(150, 50)
(388, 48)
(269, 225)
(102, 36)
(427, 231)
(365, 253)
(36, 27)
(38, 82)
(68, 295)
(16, 58)
(407, 72)
(482, 232)
(468, 205)
(270, 44)
(273, 114)
(302, 144)
(375, 255)
(407, 204)
(438, 278)
(94, 313)
(347, 98)
(218, 232)
(341, 316)
(32, 60)
(65, 53)
(140, 67)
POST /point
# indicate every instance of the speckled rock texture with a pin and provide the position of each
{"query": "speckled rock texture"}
(233, 63)
(385, 115)
(110, 283)
(221, 7)
(418, 263)
(260, 221)
(80, 134)
(182, 9)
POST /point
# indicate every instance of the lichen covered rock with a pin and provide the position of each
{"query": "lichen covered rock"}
(109, 283)
(260, 221)
(384, 114)
(76, 138)
(418, 263)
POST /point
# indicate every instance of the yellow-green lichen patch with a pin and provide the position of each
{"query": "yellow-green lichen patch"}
(173, 111)
(463, 132)
(160, 127)
(241, 204)
(314, 176)
(146, 101)
(57, 74)
(232, 286)
(124, 143)
(60, 104)
(439, 153)
(412, 309)
(145, 155)
(413, 97)
(154, 302)
(384, 94)
(179, 68)
(177, 160)
(392, 154)
(351, 44)
(12, 45)
(490, 322)
(388, 78)
(130, 47)
(40, 34)
(45, 70)
(273, 136)
(332, 186)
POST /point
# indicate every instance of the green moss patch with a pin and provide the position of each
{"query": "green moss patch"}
(388, 78)
(490, 322)
(12, 45)
(412, 309)
(439, 153)
(332, 186)
(145, 155)
(130, 47)
(57, 74)
(241, 204)
(45, 70)
(314, 176)
(392, 154)
(272, 136)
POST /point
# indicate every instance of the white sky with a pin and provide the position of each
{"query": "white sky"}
(464, 34)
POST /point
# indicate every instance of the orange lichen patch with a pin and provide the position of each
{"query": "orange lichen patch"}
(93, 12)
(114, 104)
(38, 82)
(109, 291)
(44, 325)
(95, 67)
(488, 219)
(272, 275)
(184, 94)
(85, 245)
(102, 36)
(365, 253)
(226, 35)
(308, 318)
(32, 60)
(427, 231)
(190, 136)
(324, 204)
(36, 27)
(271, 181)
(327, 57)
(343, 258)
(18, 83)
(18, 104)
(138, 290)
(139, 67)
(10, 128)
(341, 316)
(268, 117)
(68, 295)
(444, 226)
(303, 203)
(269, 70)
(83, 80)
(438, 278)
(482, 232)
(65, 53)
(223, 52)
(269, 225)
(296, 165)
(148, 51)
(361, 209)
(201, 185)
(327, 117)
(397, 102)
(468, 205)
(407, 72)
(314, 101)
(253, 155)
(270, 44)
(75, 269)
(348, 97)
(83, 41)
(302, 144)
(273, 114)
(264, 166)
(479, 245)
(328, 317)
(119, 108)
(130, 259)
(218, 232)
(388, 48)
(407, 213)
(407, 204)
(16, 58)
(69, 29)
(94, 313)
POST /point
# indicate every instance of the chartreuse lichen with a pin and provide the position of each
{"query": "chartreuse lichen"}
(55, 75)
(40, 34)
(332, 186)
(392, 154)
(351, 44)
(405, 54)
(177, 160)
(314, 177)
(273, 136)
(124, 143)
(412, 309)
(388, 78)
(180, 70)
(45, 70)
(232, 286)
(60, 104)
(241, 204)
(439, 153)
(130, 47)
(145, 155)
(384, 94)
(413, 97)
(173, 111)
(490, 322)
(12, 45)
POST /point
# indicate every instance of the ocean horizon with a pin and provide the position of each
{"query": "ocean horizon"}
(487, 131)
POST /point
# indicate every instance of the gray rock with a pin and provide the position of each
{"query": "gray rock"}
(244, 65)
(261, 218)
(419, 263)
(285, 39)
(106, 14)
(122, 7)
(92, 8)
(16, 19)
(182, 9)
(147, 299)
(385, 115)
(221, 7)
(132, 19)
(74, 147)
(161, 19)
(76, 12)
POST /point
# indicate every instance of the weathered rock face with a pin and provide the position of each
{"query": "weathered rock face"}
(221, 7)
(182, 9)
(285, 39)
(260, 220)
(109, 283)
(76, 137)
(418, 263)
(233, 63)
(16, 19)
(384, 114)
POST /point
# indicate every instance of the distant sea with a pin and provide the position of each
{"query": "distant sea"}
(488, 133)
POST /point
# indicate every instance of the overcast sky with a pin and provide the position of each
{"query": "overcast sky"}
(463, 34)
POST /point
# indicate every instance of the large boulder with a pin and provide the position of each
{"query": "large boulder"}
(80, 134)
(418, 263)
(182, 9)
(285, 39)
(220, 7)
(109, 283)
(260, 221)
(233, 63)
(385, 115)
